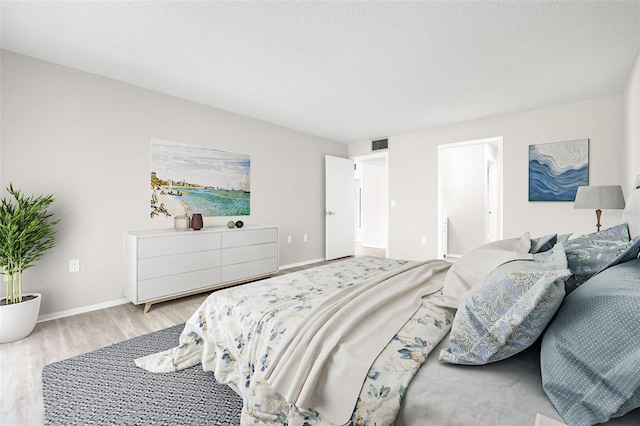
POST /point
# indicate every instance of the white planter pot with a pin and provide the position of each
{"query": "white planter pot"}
(18, 320)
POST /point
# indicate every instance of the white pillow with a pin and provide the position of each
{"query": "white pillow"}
(473, 267)
(631, 212)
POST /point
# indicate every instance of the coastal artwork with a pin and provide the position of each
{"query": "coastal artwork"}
(187, 179)
(556, 170)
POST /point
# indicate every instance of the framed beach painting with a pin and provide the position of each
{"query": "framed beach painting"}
(556, 170)
(188, 179)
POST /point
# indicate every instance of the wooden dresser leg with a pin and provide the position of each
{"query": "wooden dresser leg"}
(147, 306)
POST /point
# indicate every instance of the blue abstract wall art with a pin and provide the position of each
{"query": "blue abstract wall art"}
(556, 170)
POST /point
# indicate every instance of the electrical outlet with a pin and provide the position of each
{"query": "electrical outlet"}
(305, 238)
(74, 265)
(289, 239)
(423, 240)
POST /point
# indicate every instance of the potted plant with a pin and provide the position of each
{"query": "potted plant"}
(26, 233)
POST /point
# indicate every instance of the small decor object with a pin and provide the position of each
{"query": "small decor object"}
(239, 224)
(556, 170)
(598, 198)
(26, 233)
(231, 224)
(181, 223)
(196, 221)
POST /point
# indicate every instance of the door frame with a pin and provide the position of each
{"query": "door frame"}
(442, 227)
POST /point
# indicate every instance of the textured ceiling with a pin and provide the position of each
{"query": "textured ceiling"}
(348, 71)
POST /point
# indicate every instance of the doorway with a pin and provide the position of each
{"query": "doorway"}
(371, 208)
(469, 195)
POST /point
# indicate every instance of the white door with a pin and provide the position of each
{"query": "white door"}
(339, 208)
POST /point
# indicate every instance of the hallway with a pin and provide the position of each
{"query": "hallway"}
(360, 250)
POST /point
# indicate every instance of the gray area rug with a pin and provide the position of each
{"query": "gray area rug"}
(105, 387)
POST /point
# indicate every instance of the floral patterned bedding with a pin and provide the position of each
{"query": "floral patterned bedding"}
(236, 329)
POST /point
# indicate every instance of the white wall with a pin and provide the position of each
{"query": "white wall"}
(374, 201)
(413, 158)
(86, 139)
(631, 100)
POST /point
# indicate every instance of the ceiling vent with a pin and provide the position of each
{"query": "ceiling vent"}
(379, 144)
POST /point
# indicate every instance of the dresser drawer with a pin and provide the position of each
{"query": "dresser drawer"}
(234, 255)
(186, 242)
(162, 287)
(246, 237)
(242, 271)
(153, 267)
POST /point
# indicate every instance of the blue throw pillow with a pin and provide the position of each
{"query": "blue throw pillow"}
(590, 353)
(590, 254)
(509, 310)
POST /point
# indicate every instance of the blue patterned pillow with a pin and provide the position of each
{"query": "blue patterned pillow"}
(590, 353)
(618, 232)
(590, 254)
(509, 310)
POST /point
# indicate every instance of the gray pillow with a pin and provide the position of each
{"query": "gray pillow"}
(542, 244)
(590, 353)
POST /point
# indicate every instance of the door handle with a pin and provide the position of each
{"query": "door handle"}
(328, 213)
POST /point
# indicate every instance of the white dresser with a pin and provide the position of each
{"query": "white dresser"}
(167, 264)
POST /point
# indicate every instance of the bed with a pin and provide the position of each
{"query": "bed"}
(531, 331)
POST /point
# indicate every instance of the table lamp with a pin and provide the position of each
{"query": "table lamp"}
(599, 197)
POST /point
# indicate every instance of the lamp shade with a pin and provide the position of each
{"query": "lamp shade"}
(599, 197)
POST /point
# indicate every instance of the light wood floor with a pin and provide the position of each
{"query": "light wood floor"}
(21, 362)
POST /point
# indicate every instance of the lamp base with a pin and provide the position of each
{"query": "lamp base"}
(598, 214)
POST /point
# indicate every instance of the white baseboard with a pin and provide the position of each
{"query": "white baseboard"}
(82, 310)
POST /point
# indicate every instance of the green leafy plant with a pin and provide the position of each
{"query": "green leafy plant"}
(26, 233)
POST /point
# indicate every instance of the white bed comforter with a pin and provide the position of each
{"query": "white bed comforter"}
(305, 348)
